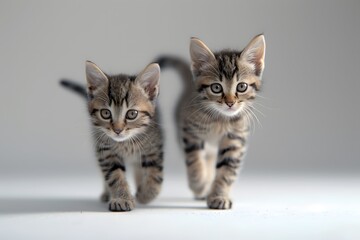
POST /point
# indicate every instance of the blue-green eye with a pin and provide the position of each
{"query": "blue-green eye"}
(105, 114)
(241, 87)
(131, 114)
(216, 88)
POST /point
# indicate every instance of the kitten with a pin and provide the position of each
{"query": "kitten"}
(213, 114)
(124, 118)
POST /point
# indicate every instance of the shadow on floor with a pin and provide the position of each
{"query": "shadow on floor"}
(49, 205)
(10, 206)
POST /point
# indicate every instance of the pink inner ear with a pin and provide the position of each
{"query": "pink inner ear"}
(258, 61)
(152, 91)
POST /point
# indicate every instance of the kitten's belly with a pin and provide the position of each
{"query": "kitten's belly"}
(134, 160)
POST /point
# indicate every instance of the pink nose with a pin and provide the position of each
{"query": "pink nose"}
(230, 104)
(117, 130)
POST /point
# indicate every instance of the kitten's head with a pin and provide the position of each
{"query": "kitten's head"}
(122, 106)
(227, 81)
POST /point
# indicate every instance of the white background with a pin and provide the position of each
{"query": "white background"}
(309, 134)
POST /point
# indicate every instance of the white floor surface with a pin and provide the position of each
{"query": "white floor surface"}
(263, 208)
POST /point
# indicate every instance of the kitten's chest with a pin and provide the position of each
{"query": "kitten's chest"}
(130, 153)
(214, 132)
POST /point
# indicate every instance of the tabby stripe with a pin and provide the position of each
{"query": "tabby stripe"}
(113, 156)
(114, 167)
(100, 149)
(94, 111)
(146, 113)
(112, 183)
(251, 98)
(105, 165)
(157, 179)
(227, 181)
(151, 155)
(225, 150)
(236, 137)
(125, 99)
(154, 164)
(196, 125)
(230, 162)
(189, 162)
(202, 87)
(194, 147)
(254, 86)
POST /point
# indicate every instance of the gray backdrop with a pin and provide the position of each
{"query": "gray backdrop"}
(311, 80)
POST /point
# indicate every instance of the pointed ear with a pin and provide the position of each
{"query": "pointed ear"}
(200, 54)
(149, 80)
(94, 76)
(254, 54)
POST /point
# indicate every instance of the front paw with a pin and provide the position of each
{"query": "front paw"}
(219, 202)
(121, 205)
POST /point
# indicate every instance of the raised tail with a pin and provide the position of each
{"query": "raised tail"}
(183, 69)
(181, 66)
(75, 87)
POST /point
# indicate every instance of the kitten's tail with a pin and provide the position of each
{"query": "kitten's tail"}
(181, 66)
(184, 70)
(75, 87)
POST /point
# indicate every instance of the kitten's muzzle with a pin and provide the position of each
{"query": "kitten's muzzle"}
(230, 104)
(117, 130)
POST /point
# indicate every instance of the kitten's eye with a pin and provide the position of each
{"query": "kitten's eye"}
(216, 88)
(241, 87)
(105, 114)
(131, 114)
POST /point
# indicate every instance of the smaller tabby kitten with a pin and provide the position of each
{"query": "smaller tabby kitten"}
(213, 114)
(124, 118)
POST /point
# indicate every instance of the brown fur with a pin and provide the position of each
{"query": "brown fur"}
(214, 126)
(120, 139)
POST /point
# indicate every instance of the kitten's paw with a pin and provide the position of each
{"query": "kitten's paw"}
(105, 196)
(219, 202)
(146, 194)
(121, 205)
(200, 190)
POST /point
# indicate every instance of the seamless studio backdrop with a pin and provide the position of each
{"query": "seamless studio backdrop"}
(300, 179)
(309, 120)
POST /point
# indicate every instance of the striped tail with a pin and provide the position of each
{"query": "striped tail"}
(75, 87)
(181, 66)
(183, 69)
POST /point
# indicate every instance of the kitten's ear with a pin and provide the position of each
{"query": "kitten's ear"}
(149, 80)
(254, 54)
(200, 54)
(94, 76)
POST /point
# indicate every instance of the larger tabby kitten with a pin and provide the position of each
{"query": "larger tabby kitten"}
(213, 115)
(124, 118)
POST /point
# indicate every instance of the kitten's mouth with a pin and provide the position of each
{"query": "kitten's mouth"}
(119, 138)
(229, 111)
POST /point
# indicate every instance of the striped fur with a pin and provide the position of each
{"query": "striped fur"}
(214, 127)
(120, 139)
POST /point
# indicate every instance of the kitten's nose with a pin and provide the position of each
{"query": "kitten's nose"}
(230, 104)
(117, 130)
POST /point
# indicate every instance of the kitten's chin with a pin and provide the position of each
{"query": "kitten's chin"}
(228, 112)
(119, 138)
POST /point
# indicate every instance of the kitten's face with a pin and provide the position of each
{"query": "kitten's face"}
(227, 81)
(122, 106)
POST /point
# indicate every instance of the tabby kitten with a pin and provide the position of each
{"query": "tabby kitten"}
(124, 118)
(213, 115)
